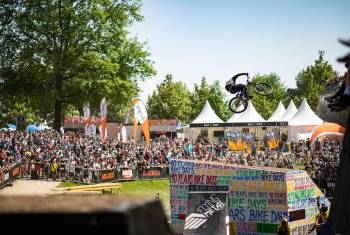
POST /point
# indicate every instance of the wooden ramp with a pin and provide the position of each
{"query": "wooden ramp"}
(104, 187)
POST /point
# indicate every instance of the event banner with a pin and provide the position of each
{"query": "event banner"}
(89, 124)
(140, 115)
(258, 199)
(103, 123)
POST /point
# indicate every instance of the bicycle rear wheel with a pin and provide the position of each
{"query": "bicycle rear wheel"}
(262, 88)
(237, 104)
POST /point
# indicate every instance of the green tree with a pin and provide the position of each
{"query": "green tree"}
(311, 81)
(214, 94)
(170, 100)
(59, 53)
(11, 107)
(266, 105)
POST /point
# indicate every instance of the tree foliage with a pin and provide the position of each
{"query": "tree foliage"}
(58, 53)
(214, 94)
(170, 100)
(266, 105)
(311, 81)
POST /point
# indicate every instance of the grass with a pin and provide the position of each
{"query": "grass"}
(68, 184)
(147, 189)
(140, 189)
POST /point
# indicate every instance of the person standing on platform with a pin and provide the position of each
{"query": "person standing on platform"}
(53, 168)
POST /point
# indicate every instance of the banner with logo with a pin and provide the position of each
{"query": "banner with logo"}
(153, 173)
(140, 117)
(207, 211)
(89, 123)
(103, 123)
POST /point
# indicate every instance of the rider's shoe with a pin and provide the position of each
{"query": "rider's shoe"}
(345, 42)
(340, 103)
(345, 58)
(329, 99)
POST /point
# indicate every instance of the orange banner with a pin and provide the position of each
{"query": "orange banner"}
(103, 124)
(140, 115)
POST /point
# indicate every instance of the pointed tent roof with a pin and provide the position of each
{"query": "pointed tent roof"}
(207, 115)
(290, 112)
(276, 116)
(250, 115)
(235, 116)
(305, 116)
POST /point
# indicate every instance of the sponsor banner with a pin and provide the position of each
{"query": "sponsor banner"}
(78, 120)
(15, 171)
(9, 176)
(153, 173)
(127, 174)
(107, 175)
(103, 123)
(242, 124)
(141, 117)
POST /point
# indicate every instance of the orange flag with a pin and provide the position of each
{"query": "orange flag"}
(103, 122)
(140, 115)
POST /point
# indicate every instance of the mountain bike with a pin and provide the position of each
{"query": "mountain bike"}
(239, 102)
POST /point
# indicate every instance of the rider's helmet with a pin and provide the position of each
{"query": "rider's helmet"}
(228, 84)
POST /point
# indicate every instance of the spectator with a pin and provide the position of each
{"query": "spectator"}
(81, 157)
(54, 168)
(283, 229)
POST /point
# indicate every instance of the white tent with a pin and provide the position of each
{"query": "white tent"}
(304, 121)
(235, 116)
(249, 115)
(305, 116)
(304, 136)
(276, 116)
(207, 115)
(290, 112)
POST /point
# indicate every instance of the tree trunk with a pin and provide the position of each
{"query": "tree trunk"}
(58, 115)
(58, 102)
(339, 221)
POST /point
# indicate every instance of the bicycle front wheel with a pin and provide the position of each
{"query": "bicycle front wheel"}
(262, 88)
(237, 104)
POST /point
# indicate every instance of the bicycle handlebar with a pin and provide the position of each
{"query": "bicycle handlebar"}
(240, 74)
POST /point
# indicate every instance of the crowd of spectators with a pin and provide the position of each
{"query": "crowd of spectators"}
(54, 151)
(320, 161)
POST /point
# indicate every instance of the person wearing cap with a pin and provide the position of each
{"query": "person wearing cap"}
(341, 98)
(283, 228)
(321, 220)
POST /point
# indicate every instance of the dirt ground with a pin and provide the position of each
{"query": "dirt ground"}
(24, 187)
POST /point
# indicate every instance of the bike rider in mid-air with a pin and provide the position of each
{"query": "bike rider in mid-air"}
(233, 88)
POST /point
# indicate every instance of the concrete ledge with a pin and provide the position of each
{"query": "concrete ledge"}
(86, 215)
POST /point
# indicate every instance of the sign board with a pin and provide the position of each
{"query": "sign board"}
(127, 174)
(258, 199)
(207, 213)
(20, 119)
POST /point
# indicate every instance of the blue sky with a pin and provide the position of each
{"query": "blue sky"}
(217, 39)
